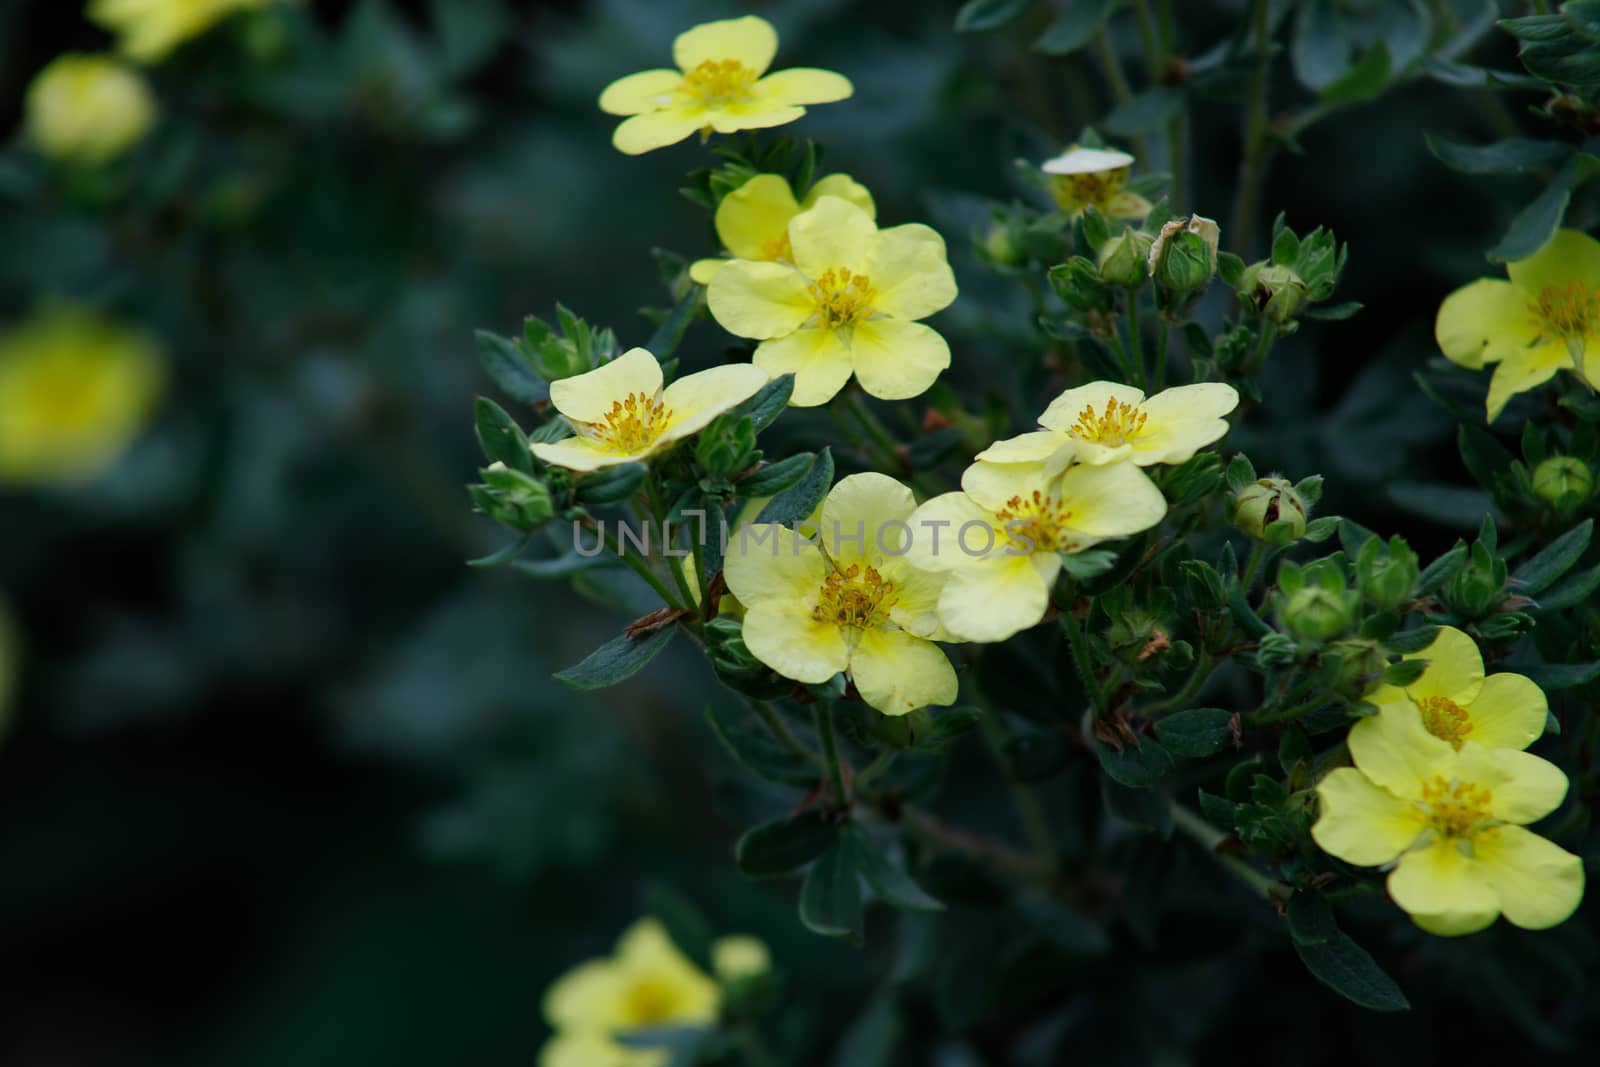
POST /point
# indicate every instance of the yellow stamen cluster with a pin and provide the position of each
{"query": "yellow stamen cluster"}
(634, 423)
(1040, 519)
(1456, 810)
(718, 82)
(842, 298)
(1074, 192)
(1119, 424)
(778, 249)
(649, 1001)
(1445, 719)
(1570, 312)
(855, 597)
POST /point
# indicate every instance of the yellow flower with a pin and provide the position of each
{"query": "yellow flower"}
(148, 30)
(622, 415)
(647, 984)
(847, 303)
(1455, 702)
(847, 601)
(753, 220)
(1545, 319)
(1081, 177)
(1451, 823)
(88, 109)
(1001, 539)
(718, 86)
(74, 392)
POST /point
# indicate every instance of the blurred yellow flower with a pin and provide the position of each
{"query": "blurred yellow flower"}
(845, 304)
(148, 30)
(88, 108)
(622, 414)
(1545, 319)
(1456, 703)
(719, 85)
(1451, 824)
(646, 984)
(1084, 177)
(753, 220)
(847, 601)
(1002, 537)
(75, 390)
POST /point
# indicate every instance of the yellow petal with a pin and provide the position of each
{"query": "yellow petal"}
(1445, 891)
(894, 359)
(1483, 322)
(751, 115)
(657, 129)
(696, 399)
(1036, 446)
(582, 454)
(590, 1048)
(802, 85)
(935, 526)
(1528, 369)
(1509, 711)
(1396, 751)
(754, 218)
(845, 188)
(701, 271)
(916, 599)
(750, 41)
(993, 484)
(1360, 822)
(1538, 883)
(648, 90)
(897, 673)
(587, 997)
(859, 517)
(1454, 670)
(832, 235)
(1524, 787)
(1569, 256)
(1181, 421)
(816, 357)
(587, 397)
(766, 562)
(739, 956)
(784, 636)
(910, 272)
(1111, 501)
(759, 300)
(1064, 410)
(993, 599)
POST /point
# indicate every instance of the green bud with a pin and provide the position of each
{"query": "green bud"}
(725, 640)
(1122, 260)
(1479, 586)
(1270, 510)
(1316, 614)
(1352, 665)
(1276, 293)
(1184, 254)
(513, 498)
(1001, 245)
(727, 446)
(1563, 482)
(1387, 577)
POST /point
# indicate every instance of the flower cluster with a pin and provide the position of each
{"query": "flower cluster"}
(1441, 793)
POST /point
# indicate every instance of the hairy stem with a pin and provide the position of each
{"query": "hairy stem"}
(1209, 837)
(1081, 659)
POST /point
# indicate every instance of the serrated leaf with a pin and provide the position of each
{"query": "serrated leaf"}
(620, 658)
(1540, 572)
(830, 899)
(1197, 732)
(796, 503)
(780, 846)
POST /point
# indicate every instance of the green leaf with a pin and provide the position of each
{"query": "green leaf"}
(1138, 767)
(1553, 676)
(1363, 81)
(619, 658)
(774, 478)
(945, 726)
(1514, 155)
(753, 747)
(830, 899)
(764, 408)
(1082, 566)
(1061, 924)
(1574, 591)
(611, 484)
(1218, 811)
(892, 884)
(1196, 732)
(503, 556)
(1559, 556)
(684, 923)
(561, 566)
(1336, 960)
(664, 342)
(1483, 455)
(508, 368)
(1332, 312)
(501, 439)
(1584, 17)
(1143, 809)
(976, 16)
(1230, 268)
(1535, 224)
(1285, 248)
(1405, 672)
(1072, 28)
(1408, 641)
(1439, 571)
(1320, 51)
(796, 503)
(1144, 111)
(782, 845)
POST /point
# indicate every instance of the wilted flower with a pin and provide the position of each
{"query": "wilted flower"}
(1184, 253)
(1266, 503)
(88, 109)
(1094, 177)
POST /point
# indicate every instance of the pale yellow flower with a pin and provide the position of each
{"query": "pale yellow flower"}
(718, 86)
(148, 30)
(622, 414)
(1083, 177)
(753, 220)
(88, 109)
(846, 304)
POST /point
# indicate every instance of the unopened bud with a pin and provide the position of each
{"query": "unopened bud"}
(1276, 293)
(1564, 482)
(1317, 614)
(1270, 510)
(1122, 260)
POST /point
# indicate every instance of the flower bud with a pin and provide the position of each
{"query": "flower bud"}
(1563, 482)
(1479, 586)
(1270, 510)
(513, 498)
(1276, 293)
(1002, 246)
(1122, 259)
(88, 109)
(727, 446)
(1387, 578)
(1316, 614)
(1353, 665)
(1184, 254)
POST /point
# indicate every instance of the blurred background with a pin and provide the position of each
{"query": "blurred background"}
(281, 779)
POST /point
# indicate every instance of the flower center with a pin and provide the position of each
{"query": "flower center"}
(1074, 192)
(633, 424)
(778, 248)
(1445, 719)
(1570, 312)
(1119, 424)
(1038, 519)
(649, 1001)
(855, 598)
(1457, 811)
(719, 82)
(842, 298)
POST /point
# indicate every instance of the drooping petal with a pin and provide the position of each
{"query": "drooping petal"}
(1509, 711)
(845, 188)
(1181, 421)
(1445, 891)
(1569, 256)
(648, 90)
(833, 235)
(1361, 822)
(657, 129)
(759, 300)
(897, 673)
(766, 562)
(862, 516)
(1524, 787)
(1483, 322)
(1396, 751)
(696, 399)
(1064, 410)
(815, 356)
(583, 454)
(894, 359)
(1527, 369)
(754, 218)
(910, 272)
(995, 598)
(1539, 884)
(797, 86)
(784, 636)
(750, 41)
(587, 397)
(934, 528)
(1112, 501)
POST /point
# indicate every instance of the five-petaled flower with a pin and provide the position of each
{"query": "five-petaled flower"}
(753, 220)
(1094, 177)
(845, 303)
(847, 600)
(1545, 319)
(1451, 824)
(621, 414)
(719, 85)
